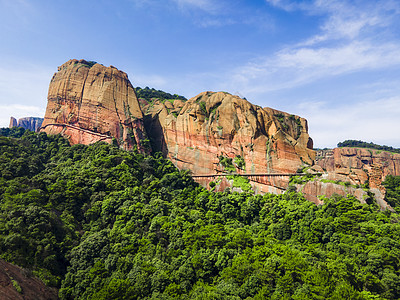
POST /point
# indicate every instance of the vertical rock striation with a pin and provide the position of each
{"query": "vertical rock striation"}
(197, 133)
(31, 123)
(88, 102)
(359, 165)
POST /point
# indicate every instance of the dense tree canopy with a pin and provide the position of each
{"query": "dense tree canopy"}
(102, 223)
(149, 93)
(361, 144)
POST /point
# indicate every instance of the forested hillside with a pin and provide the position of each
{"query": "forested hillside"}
(149, 93)
(361, 144)
(102, 223)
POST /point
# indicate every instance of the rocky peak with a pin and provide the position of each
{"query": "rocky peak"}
(88, 102)
(13, 122)
(31, 123)
(212, 125)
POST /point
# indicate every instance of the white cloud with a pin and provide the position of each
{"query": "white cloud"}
(326, 61)
(371, 121)
(20, 87)
(18, 111)
(144, 80)
(219, 13)
(351, 39)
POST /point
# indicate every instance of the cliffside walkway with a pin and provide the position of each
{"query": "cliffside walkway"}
(103, 136)
(273, 179)
(250, 174)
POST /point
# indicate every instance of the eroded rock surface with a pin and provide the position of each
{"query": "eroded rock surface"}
(359, 165)
(196, 133)
(88, 102)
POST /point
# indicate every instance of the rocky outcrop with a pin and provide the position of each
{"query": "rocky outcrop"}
(197, 133)
(13, 122)
(358, 165)
(19, 284)
(351, 171)
(88, 102)
(30, 123)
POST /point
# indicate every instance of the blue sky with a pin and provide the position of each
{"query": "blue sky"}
(336, 63)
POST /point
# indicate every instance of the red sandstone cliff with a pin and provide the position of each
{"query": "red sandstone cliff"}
(359, 165)
(347, 171)
(195, 133)
(88, 102)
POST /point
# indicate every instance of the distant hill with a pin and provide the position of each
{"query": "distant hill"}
(31, 123)
(361, 144)
(149, 93)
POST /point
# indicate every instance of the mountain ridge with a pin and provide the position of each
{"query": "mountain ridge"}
(89, 102)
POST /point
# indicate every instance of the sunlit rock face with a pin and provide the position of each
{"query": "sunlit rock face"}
(88, 102)
(196, 133)
(358, 165)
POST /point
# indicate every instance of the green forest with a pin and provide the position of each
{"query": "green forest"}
(361, 144)
(149, 93)
(98, 222)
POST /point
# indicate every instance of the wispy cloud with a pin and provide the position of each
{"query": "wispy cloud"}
(292, 67)
(20, 11)
(144, 80)
(208, 6)
(219, 13)
(351, 39)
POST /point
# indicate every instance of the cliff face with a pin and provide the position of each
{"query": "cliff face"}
(31, 123)
(351, 171)
(359, 165)
(90, 102)
(211, 133)
(197, 133)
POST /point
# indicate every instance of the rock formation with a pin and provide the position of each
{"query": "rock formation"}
(19, 284)
(197, 133)
(31, 123)
(358, 165)
(88, 102)
(351, 171)
(13, 122)
(211, 133)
